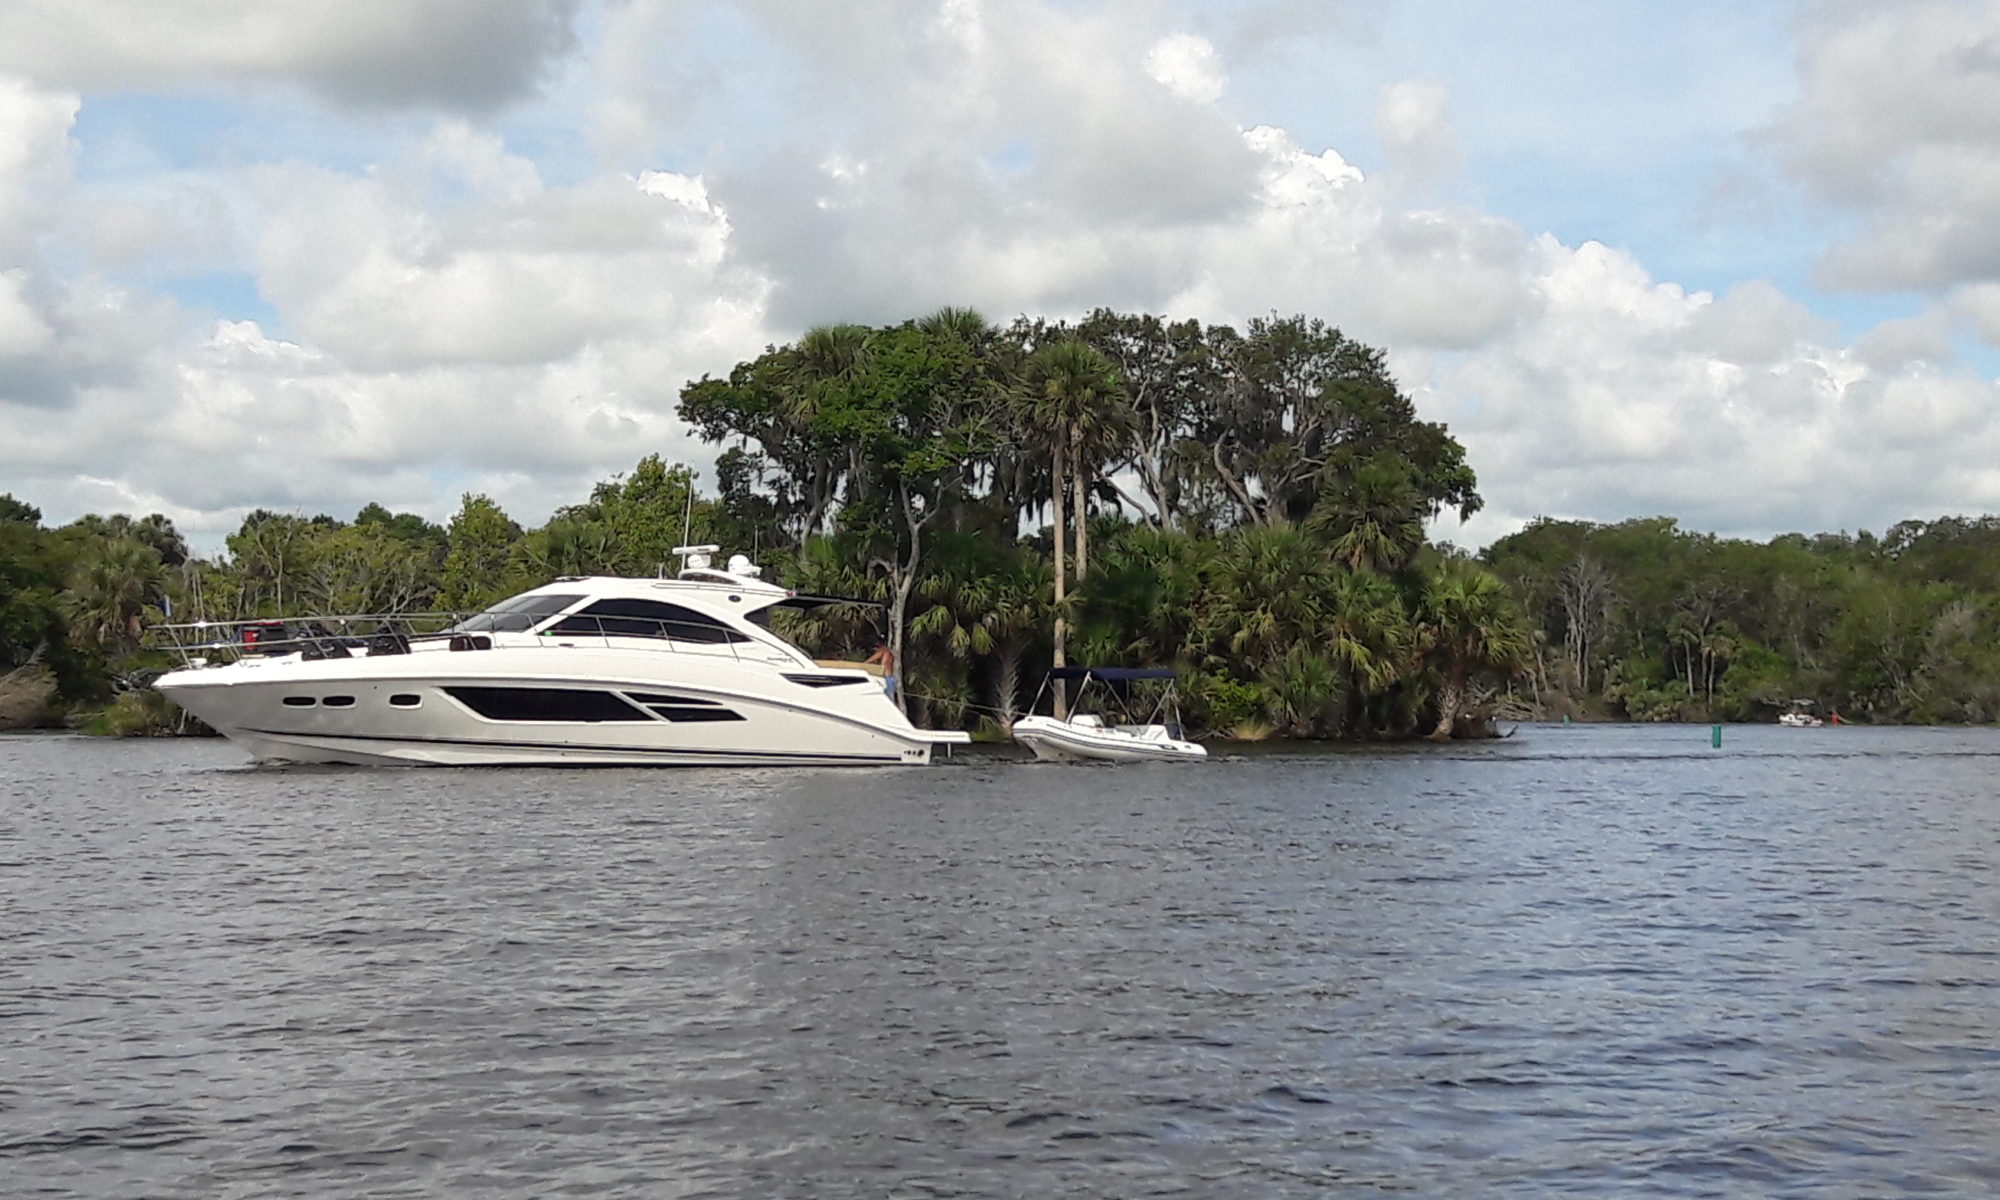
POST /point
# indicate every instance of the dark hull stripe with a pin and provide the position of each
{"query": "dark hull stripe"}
(715, 695)
(572, 748)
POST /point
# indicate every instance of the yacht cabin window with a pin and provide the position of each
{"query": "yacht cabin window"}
(648, 618)
(518, 614)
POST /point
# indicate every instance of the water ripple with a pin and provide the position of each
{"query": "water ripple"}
(1580, 961)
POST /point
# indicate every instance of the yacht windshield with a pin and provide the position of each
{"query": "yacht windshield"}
(516, 615)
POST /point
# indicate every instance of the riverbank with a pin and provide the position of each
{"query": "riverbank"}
(27, 698)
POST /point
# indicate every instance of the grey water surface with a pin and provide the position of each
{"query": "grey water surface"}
(1596, 961)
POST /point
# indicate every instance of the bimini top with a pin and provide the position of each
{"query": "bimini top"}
(1111, 673)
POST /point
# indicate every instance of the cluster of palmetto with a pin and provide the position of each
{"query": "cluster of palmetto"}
(119, 578)
(74, 601)
(1248, 507)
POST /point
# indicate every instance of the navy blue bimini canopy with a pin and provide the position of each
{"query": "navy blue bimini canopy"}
(1111, 673)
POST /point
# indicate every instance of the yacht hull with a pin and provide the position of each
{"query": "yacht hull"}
(355, 750)
(461, 709)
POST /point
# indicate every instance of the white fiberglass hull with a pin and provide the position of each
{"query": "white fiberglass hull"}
(1061, 741)
(438, 708)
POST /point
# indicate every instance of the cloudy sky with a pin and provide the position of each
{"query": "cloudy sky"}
(1735, 262)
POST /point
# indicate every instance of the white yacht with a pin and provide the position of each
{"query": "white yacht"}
(583, 671)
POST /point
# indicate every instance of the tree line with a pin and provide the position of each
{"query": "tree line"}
(1646, 621)
(1247, 505)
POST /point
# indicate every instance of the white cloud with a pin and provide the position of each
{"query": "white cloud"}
(1017, 125)
(22, 330)
(1906, 342)
(1414, 124)
(1188, 66)
(530, 340)
(34, 166)
(470, 305)
(371, 272)
(1628, 397)
(460, 54)
(1756, 325)
(1978, 307)
(1322, 238)
(1899, 119)
(453, 322)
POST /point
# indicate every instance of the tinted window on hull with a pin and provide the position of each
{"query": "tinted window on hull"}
(684, 708)
(820, 681)
(545, 704)
(671, 713)
(656, 698)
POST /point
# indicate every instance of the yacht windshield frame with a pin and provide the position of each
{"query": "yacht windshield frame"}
(520, 614)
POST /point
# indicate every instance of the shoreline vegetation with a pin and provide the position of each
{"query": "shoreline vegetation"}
(1245, 505)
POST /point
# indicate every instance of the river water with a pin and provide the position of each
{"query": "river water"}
(1591, 961)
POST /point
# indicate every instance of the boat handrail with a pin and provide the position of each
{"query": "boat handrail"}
(188, 638)
(357, 630)
(306, 619)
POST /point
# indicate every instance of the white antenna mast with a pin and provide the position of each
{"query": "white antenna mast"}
(687, 533)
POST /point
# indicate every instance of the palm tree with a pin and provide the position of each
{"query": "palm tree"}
(1299, 690)
(1375, 522)
(113, 586)
(957, 592)
(1470, 627)
(157, 531)
(1146, 593)
(825, 567)
(1367, 630)
(1269, 594)
(154, 530)
(827, 354)
(567, 545)
(1066, 403)
(984, 602)
(965, 324)
(828, 359)
(1016, 605)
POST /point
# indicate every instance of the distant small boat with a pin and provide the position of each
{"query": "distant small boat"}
(1085, 737)
(1800, 716)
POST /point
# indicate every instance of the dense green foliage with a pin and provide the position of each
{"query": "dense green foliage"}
(1273, 551)
(1646, 621)
(1247, 506)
